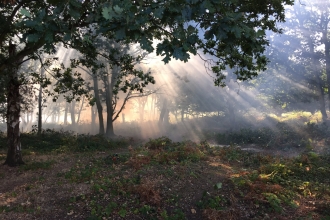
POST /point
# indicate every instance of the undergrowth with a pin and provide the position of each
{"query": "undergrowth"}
(52, 141)
(163, 179)
(282, 134)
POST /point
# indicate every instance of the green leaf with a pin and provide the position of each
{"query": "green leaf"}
(75, 3)
(41, 14)
(218, 186)
(146, 44)
(67, 37)
(107, 13)
(122, 213)
(158, 13)
(25, 12)
(117, 9)
(237, 31)
(49, 37)
(120, 34)
(191, 29)
(30, 23)
(75, 14)
(33, 38)
(208, 34)
(260, 33)
(186, 13)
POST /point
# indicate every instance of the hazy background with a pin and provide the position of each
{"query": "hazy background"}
(184, 103)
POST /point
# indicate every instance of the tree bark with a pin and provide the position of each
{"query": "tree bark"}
(321, 98)
(98, 104)
(40, 103)
(142, 103)
(93, 117)
(14, 154)
(73, 113)
(109, 99)
(80, 109)
(163, 117)
(66, 113)
(326, 41)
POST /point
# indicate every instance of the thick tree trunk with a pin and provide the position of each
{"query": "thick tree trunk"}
(109, 98)
(110, 112)
(98, 104)
(14, 154)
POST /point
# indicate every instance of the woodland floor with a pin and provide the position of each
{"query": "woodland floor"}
(165, 180)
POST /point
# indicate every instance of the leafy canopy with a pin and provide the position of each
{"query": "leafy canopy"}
(231, 33)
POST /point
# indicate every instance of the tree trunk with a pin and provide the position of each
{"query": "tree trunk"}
(109, 98)
(321, 98)
(93, 117)
(66, 113)
(326, 42)
(142, 103)
(163, 112)
(327, 67)
(42, 71)
(14, 154)
(73, 113)
(98, 104)
(81, 107)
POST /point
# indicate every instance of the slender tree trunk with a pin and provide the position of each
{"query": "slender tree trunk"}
(182, 114)
(93, 117)
(81, 107)
(66, 113)
(327, 68)
(73, 113)
(326, 41)
(163, 114)
(142, 103)
(98, 104)
(321, 98)
(14, 154)
(40, 103)
(167, 116)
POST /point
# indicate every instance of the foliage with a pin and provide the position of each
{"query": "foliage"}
(37, 165)
(284, 134)
(51, 140)
(236, 37)
(164, 151)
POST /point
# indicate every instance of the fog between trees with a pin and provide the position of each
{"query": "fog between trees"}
(184, 95)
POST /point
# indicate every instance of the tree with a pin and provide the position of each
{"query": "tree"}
(299, 59)
(232, 32)
(115, 79)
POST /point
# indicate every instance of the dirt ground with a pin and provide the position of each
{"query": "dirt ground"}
(45, 191)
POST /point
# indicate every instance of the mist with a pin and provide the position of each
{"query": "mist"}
(184, 104)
